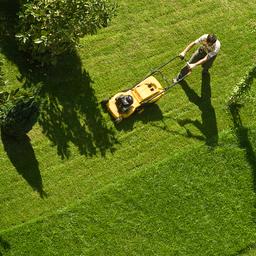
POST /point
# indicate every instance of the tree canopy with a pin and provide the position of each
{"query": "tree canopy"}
(48, 28)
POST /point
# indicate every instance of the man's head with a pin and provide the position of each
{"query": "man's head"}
(211, 39)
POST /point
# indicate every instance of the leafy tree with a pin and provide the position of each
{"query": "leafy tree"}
(48, 28)
(18, 112)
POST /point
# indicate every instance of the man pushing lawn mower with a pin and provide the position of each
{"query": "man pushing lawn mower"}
(149, 90)
(205, 54)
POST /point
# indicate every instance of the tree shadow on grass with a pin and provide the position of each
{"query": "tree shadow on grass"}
(246, 250)
(70, 112)
(208, 124)
(4, 246)
(150, 113)
(244, 143)
(243, 139)
(242, 134)
(22, 156)
(69, 109)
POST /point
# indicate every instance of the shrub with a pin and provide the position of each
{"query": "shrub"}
(48, 28)
(18, 112)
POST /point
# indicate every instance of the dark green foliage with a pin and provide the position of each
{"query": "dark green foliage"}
(8, 17)
(3, 95)
(18, 112)
(49, 28)
(1, 74)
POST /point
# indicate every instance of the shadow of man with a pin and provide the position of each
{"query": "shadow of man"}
(22, 156)
(208, 124)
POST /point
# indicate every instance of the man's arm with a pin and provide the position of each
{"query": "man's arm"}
(189, 46)
(200, 62)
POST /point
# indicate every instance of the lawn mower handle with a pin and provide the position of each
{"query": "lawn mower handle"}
(172, 59)
(166, 63)
(166, 89)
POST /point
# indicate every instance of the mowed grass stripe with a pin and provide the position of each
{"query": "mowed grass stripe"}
(199, 206)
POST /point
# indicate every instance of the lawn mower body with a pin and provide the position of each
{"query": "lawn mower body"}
(147, 91)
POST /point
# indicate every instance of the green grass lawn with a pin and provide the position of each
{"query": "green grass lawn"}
(156, 184)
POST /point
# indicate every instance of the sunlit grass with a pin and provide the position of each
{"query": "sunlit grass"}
(142, 36)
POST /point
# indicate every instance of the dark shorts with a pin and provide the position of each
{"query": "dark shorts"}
(198, 55)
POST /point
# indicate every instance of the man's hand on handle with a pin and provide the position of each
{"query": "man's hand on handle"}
(191, 65)
(182, 55)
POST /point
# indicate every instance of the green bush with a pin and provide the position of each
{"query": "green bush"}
(49, 28)
(18, 112)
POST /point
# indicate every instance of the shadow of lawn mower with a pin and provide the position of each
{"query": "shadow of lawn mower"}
(149, 90)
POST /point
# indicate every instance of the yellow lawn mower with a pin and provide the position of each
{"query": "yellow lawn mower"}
(149, 90)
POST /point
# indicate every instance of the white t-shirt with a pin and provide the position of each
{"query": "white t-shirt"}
(211, 50)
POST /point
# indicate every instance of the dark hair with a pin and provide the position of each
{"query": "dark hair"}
(211, 38)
